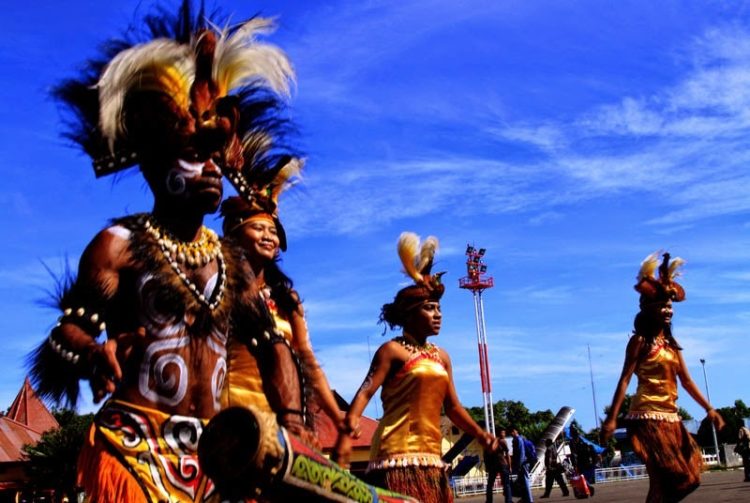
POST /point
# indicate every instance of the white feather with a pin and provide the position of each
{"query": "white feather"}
(649, 266)
(674, 266)
(241, 59)
(288, 176)
(124, 73)
(427, 253)
(408, 248)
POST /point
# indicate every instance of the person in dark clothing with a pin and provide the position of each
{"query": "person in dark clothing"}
(520, 466)
(497, 462)
(743, 449)
(583, 456)
(554, 470)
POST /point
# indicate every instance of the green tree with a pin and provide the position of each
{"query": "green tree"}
(507, 412)
(684, 415)
(733, 416)
(623, 409)
(52, 461)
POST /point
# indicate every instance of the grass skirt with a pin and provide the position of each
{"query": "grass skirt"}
(428, 484)
(671, 456)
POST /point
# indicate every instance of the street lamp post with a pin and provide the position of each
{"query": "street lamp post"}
(708, 397)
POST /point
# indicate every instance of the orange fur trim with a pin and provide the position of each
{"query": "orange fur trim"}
(103, 477)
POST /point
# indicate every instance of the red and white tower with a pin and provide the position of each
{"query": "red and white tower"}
(477, 283)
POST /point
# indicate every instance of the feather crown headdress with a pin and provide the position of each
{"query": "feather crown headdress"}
(417, 259)
(215, 84)
(261, 181)
(663, 287)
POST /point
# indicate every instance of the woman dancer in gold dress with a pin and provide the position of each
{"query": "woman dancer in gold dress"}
(252, 222)
(417, 383)
(672, 458)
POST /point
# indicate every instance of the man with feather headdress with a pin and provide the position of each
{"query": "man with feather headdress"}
(160, 285)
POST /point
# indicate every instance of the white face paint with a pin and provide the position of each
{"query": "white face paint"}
(186, 170)
(189, 169)
(177, 176)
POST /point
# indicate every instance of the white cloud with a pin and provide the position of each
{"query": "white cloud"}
(684, 145)
(546, 136)
(376, 193)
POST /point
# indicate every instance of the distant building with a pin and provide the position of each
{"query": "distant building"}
(327, 435)
(24, 424)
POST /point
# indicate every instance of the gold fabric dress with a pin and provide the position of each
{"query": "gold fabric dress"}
(243, 385)
(405, 455)
(656, 396)
(658, 436)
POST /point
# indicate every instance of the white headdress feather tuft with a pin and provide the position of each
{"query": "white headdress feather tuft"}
(287, 176)
(674, 267)
(649, 266)
(427, 254)
(417, 259)
(408, 250)
(240, 59)
(131, 68)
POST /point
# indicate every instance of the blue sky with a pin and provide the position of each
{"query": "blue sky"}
(570, 139)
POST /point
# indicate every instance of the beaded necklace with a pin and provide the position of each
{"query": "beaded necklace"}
(410, 345)
(192, 254)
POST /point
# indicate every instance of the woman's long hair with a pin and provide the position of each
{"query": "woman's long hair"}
(648, 328)
(282, 291)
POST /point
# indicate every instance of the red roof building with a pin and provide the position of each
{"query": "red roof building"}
(327, 434)
(24, 424)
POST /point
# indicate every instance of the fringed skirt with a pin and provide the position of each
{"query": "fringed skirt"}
(428, 484)
(133, 454)
(671, 456)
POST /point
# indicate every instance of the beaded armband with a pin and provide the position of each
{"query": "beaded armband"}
(58, 348)
(91, 322)
(269, 337)
(258, 344)
(88, 321)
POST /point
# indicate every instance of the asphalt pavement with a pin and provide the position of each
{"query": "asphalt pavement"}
(719, 486)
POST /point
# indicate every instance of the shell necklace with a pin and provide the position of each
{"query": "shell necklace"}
(413, 347)
(192, 254)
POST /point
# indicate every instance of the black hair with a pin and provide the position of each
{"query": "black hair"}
(396, 313)
(282, 291)
(647, 327)
(392, 315)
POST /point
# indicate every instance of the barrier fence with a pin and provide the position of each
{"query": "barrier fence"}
(467, 486)
(618, 473)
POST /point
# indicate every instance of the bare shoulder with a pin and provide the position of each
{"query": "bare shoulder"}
(634, 350)
(389, 349)
(636, 342)
(393, 352)
(444, 356)
(109, 250)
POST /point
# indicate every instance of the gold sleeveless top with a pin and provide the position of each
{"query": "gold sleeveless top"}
(243, 385)
(656, 396)
(409, 432)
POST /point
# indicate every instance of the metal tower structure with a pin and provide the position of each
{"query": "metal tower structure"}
(477, 283)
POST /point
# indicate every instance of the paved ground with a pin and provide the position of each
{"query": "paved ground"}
(716, 487)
